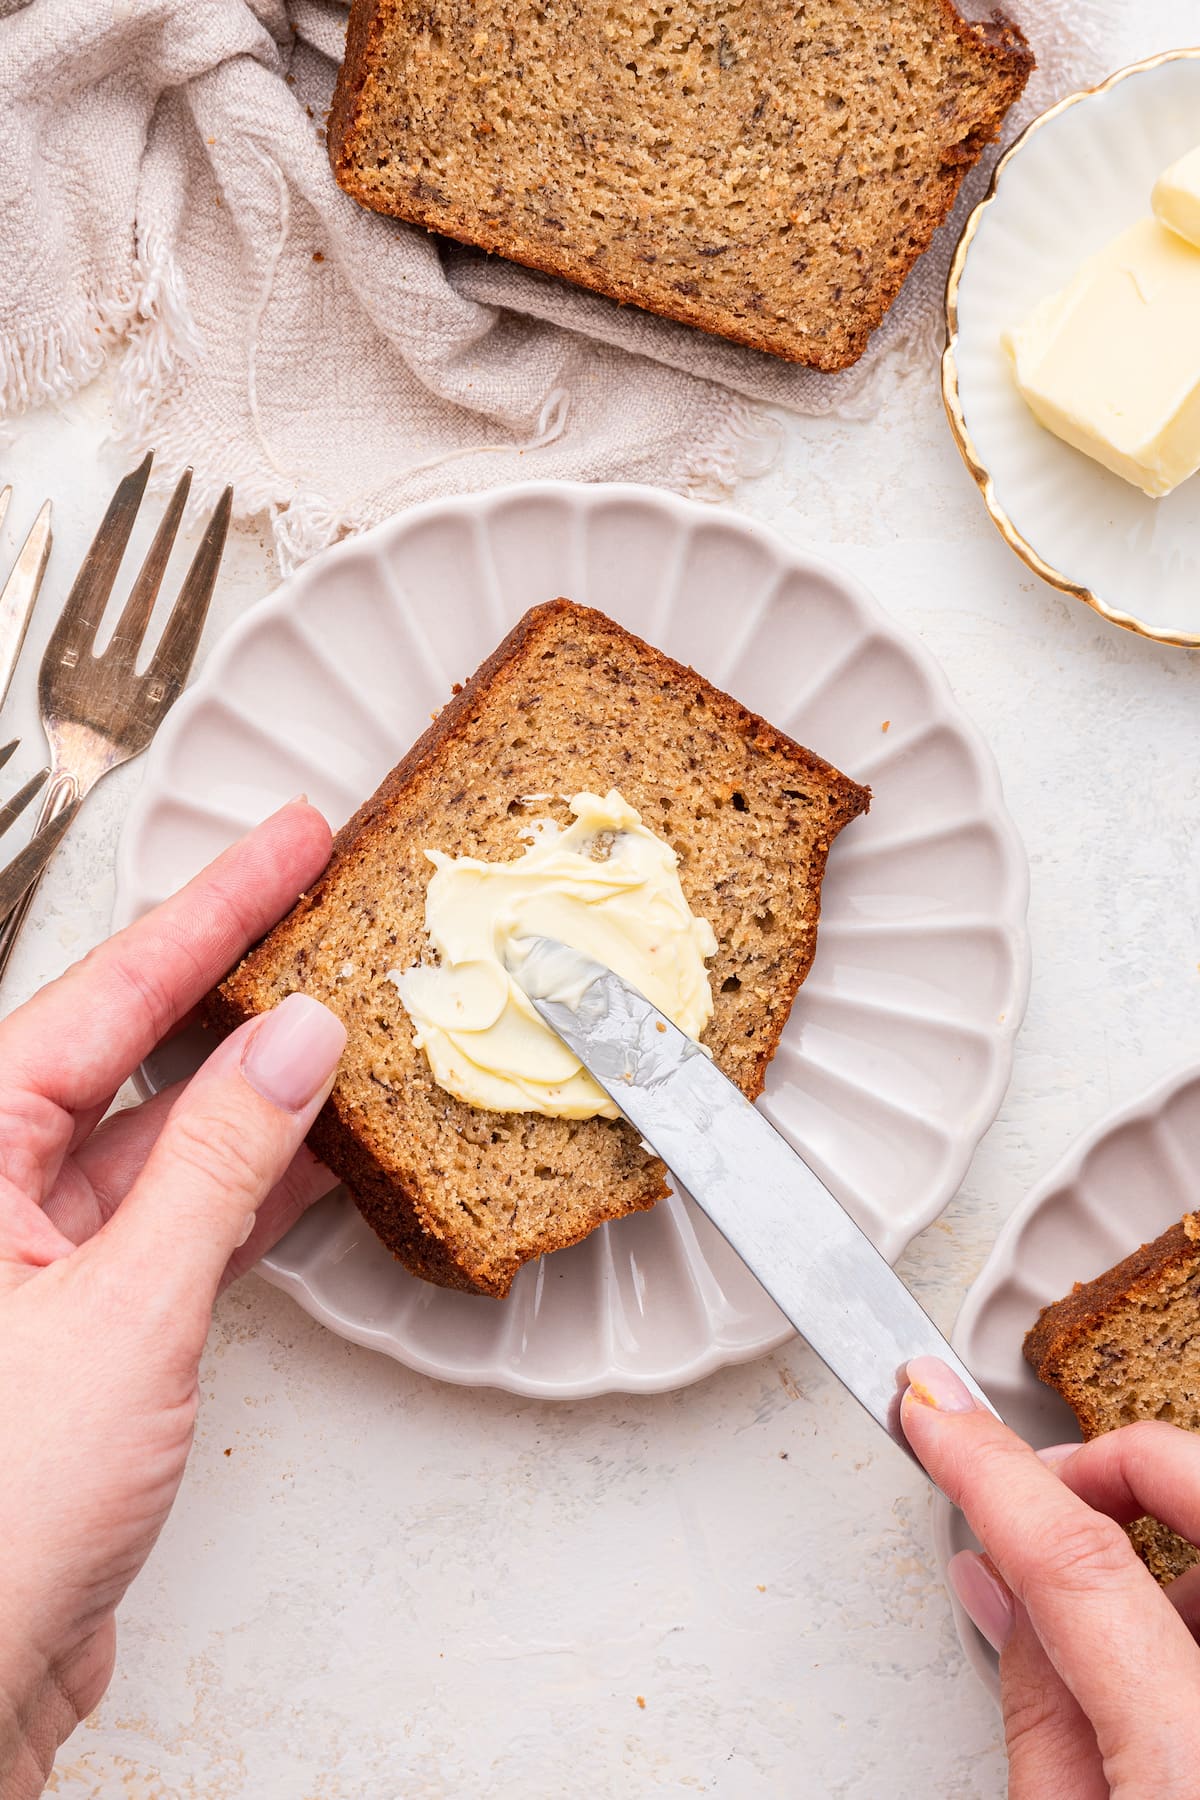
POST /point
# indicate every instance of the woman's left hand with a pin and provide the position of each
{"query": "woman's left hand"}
(115, 1240)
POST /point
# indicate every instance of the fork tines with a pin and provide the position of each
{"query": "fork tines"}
(74, 636)
(97, 710)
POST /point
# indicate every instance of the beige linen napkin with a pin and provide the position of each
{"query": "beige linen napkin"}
(167, 197)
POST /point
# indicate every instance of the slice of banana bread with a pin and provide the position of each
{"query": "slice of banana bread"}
(768, 172)
(570, 702)
(1126, 1346)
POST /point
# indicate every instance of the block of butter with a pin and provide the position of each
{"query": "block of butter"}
(1111, 364)
(1176, 197)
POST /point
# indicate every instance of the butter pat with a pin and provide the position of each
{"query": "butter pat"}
(1176, 197)
(1112, 363)
(606, 886)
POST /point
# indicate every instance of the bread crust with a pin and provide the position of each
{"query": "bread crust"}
(997, 40)
(363, 37)
(1086, 1314)
(390, 1198)
(1091, 1304)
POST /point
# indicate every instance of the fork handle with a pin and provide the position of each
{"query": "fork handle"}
(60, 793)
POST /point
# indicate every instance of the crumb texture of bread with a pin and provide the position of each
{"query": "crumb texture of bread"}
(1126, 1346)
(569, 702)
(768, 172)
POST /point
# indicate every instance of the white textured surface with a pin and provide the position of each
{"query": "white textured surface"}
(394, 1590)
(907, 1019)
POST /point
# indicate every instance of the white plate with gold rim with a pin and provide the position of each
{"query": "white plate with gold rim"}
(1122, 1183)
(900, 1045)
(1076, 177)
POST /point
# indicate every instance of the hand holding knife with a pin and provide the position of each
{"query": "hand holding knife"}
(815, 1262)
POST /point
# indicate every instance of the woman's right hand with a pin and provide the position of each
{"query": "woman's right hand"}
(1099, 1666)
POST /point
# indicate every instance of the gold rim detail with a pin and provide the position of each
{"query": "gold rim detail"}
(950, 394)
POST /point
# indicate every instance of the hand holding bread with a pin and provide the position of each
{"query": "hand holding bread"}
(1060, 1586)
(115, 1240)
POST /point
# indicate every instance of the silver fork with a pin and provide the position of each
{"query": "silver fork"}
(97, 711)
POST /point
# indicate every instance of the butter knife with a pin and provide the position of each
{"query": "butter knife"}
(18, 875)
(21, 591)
(821, 1270)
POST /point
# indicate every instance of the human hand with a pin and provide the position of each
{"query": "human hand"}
(115, 1240)
(1099, 1666)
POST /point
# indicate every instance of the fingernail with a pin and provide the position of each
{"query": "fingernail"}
(983, 1597)
(293, 1053)
(297, 800)
(247, 1228)
(933, 1384)
(1054, 1454)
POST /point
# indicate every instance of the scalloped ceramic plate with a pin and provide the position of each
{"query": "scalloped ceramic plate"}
(900, 1046)
(1119, 1185)
(1079, 175)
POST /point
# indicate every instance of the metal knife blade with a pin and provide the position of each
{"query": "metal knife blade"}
(28, 863)
(818, 1265)
(20, 594)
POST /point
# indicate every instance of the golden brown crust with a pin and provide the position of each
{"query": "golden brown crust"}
(392, 1206)
(362, 38)
(1091, 1304)
(1119, 1348)
(347, 1134)
(997, 42)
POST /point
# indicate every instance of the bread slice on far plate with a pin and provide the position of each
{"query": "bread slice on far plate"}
(769, 172)
(1126, 1346)
(569, 703)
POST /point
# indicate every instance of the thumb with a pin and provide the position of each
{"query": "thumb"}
(1051, 1746)
(226, 1142)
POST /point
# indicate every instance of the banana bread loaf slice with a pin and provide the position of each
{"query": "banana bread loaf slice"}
(570, 702)
(1126, 1346)
(768, 172)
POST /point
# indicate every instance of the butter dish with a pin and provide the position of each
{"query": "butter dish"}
(1073, 186)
